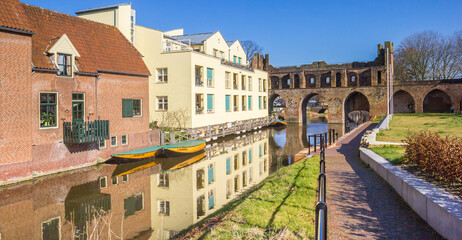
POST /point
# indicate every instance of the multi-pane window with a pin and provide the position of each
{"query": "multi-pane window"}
(236, 103)
(162, 75)
(199, 82)
(264, 103)
(235, 83)
(78, 107)
(227, 80)
(243, 84)
(103, 182)
(162, 103)
(264, 85)
(64, 64)
(164, 208)
(133, 204)
(48, 113)
(259, 85)
(209, 77)
(131, 107)
(163, 180)
(124, 139)
(199, 103)
(249, 81)
(102, 143)
(113, 141)
(244, 107)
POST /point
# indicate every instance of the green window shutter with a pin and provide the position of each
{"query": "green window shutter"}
(227, 100)
(210, 102)
(250, 155)
(228, 165)
(239, 60)
(250, 102)
(259, 102)
(209, 73)
(234, 59)
(127, 108)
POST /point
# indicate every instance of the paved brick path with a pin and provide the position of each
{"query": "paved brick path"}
(361, 205)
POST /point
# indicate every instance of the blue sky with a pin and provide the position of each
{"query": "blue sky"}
(293, 32)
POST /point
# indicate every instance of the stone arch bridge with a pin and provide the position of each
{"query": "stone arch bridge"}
(410, 96)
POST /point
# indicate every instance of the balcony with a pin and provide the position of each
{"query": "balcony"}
(236, 65)
(85, 132)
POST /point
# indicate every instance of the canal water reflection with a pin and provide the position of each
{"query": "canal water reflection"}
(153, 199)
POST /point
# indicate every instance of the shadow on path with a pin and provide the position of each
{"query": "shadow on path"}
(363, 205)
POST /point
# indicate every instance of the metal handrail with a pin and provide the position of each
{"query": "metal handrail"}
(321, 206)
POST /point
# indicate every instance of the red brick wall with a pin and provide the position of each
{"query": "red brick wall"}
(15, 105)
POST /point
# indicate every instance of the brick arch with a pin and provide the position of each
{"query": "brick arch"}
(285, 81)
(304, 101)
(275, 82)
(403, 102)
(437, 101)
(356, 100)
(308, 83)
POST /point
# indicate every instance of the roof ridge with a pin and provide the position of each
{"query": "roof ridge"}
(196, 34)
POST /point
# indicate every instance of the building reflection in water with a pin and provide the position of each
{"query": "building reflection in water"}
(152, 199)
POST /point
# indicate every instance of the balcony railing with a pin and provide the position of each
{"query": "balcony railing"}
(232, 64)
(85, 132)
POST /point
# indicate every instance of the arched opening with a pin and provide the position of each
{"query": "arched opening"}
(310, 81)
(325, 80)
(277, 105)
(296, 81)
(365, 78)
(352, 79)
(274, 82)
(437, 101)
(338, 80)
(356, 110)
(285, 81)
(312, 107)
(403, 102)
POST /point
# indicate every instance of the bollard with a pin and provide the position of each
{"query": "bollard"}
(321, 221)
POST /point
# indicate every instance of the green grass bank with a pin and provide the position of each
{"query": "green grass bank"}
(280, 207)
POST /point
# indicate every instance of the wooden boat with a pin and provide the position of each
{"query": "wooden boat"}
(139, 153)
(124, 169)
(283, 122)
(174, 163)
(183, 148)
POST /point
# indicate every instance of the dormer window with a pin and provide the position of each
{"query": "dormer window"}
(64, 64)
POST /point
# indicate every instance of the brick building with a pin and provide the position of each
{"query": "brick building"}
(71, 90)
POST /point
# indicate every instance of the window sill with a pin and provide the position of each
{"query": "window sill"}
(62, 76)
(45, 128)
(161, 110)
(161, 82)
(113, 145)
(210, 112)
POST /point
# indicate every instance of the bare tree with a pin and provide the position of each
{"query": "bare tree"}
(427, 56)
(251, 48)
(174, 120)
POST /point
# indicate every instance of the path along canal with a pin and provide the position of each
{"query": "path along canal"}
(153, 199)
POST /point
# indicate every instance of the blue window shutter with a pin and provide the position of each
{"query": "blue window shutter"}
(228, 165)
(209, 73)
(259, 151)
(250, 102)
(209, 101)
(250, 155)
(234, 59)
(227, 100)
(239, 60)
(211, 174)
(259, 102)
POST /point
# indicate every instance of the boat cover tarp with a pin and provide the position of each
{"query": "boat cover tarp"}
(190, 143)
(140, 151)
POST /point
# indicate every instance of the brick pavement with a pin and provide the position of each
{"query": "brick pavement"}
(361, 205)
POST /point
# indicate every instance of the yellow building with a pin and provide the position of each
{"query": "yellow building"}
(196, 79)
(185, 196)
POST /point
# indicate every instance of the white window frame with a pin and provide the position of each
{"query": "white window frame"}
(114, 145)
(159, 209)
(163, 180)
(164, 101)
(249, 83)
(126, 138)
(212, 82)
(105, 182)
(116, 182)
(49, 220)
(163, 75)
(57, 111)
(227, 80)
(125, 176)
(104, 146)
(141, 107)
(259, 85)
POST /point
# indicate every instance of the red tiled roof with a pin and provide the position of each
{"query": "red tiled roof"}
(101, 46)
(12, 15)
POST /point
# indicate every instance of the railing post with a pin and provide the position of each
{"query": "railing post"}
(309, 145)
(314, 142)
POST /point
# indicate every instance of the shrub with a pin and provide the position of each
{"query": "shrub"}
(439, 157)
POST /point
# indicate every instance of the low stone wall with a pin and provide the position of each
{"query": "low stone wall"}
(440, 209)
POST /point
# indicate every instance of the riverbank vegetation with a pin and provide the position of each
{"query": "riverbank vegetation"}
(281, 207)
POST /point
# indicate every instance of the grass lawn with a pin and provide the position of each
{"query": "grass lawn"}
(281, 207)
(392, 153)
(444, 124)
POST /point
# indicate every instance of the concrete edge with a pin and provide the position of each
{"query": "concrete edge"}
(440, 209)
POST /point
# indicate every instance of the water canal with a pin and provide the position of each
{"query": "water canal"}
(153, 199)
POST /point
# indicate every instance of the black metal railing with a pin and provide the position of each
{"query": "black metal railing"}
(85, 132)
(321, 206)
(329, 137)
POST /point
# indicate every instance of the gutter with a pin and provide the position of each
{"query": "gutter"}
(17, 30)
(88, 74)
(123, 73)
(44, 70)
